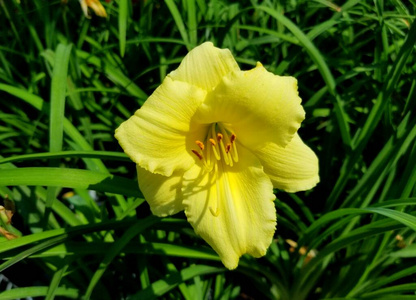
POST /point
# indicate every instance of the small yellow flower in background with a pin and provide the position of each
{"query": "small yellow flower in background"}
(214, 140)
(95, 5)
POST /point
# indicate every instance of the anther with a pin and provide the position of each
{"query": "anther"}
(232, 138)
(219, 137)
(227, 148)
(212, 141)
(200, 145)
(197, 154)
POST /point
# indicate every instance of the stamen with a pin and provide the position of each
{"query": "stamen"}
(216, 154)
(230, 159)
(213, 131)
(208, 158)
(197, 154)
(200, 145)
(224, 153)
(223, 146)
(208, 163)
(208, 168)
(228, 141)
(235, 154)
(215, 145)
(224, 133)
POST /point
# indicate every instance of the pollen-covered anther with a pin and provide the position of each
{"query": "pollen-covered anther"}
(212, 141)
(232, 138)
(219, 137)
(200, 145)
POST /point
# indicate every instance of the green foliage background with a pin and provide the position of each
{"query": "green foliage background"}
(66, 83)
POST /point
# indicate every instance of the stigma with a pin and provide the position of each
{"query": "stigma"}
(219, 146)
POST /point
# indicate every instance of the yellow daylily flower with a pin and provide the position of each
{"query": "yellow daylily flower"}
(214, 141)
(95, 5)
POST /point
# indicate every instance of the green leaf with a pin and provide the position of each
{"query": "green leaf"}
(179, 21)
(101, 248)
(67, 154)
(408, 251)
(56, 279)
(38, 291)
(70, 178)
(58, 94)
(116, 249)
(122, 24)
(317, 57)
(160, 287)
(114, 74)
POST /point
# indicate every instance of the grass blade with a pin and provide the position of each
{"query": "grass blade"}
(38, 291)
(70, 178)
(122, 24)
(58, 95)
(179, 21)
(323, 69)
(162, 286)
(116, 248)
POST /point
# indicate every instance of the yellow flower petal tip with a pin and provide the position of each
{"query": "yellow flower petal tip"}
(95, 6)
(214, 141)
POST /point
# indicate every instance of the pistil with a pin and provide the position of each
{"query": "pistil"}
(216, 212)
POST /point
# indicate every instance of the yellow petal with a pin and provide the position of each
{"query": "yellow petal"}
(293, 168)
(162, 193)
(84, 7)
(232, 209)
(159, 136)
(97, 7)
(205, 65)
(262, 107)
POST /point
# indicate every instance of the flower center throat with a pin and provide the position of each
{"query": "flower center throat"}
(219, 145)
